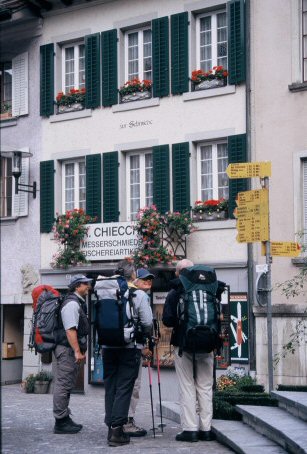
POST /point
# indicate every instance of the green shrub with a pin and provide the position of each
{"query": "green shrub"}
(300, 388)
(253, 388)
(224, 410)
(29, 383)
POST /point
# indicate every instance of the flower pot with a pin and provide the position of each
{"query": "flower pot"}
(71, 107)
(213, 83)
(138, 95)
(199, 216)
(41, 387)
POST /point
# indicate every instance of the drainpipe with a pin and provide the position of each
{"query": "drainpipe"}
(250, 259)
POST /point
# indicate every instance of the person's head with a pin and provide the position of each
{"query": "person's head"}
(144, 279)
(80, 284)
(185, 263)
(126, 269)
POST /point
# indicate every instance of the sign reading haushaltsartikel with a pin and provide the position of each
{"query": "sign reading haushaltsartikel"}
(112, 241)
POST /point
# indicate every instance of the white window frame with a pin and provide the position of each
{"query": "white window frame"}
(141, 53)
(213, 15)
(141, 154)
(4, 177)
(214, 145)
(75, 45)
(76, 163)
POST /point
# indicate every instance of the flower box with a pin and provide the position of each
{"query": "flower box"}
(70, 107)
(207, 84)
(200, 216)
(138, 95)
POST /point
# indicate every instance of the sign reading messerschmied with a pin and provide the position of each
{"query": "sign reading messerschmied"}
(111, 241)
(238, 328)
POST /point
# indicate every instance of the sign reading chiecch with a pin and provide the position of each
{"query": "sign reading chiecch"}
(112, 241)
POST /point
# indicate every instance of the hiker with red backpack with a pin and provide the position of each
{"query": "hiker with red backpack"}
(192, 310)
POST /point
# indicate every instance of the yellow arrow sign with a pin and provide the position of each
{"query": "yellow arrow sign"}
(249, 169)
(253, 229)
(283, 249)
(253, 198)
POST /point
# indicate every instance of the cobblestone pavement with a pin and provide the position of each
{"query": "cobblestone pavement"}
(27, 425)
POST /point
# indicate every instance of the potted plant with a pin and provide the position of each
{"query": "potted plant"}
(69, 229)
(71, 101)
(42, 381)
(27, 384)
(181, 223)
(6, 110)
(210, 210)
(134, 90)
(215, 77)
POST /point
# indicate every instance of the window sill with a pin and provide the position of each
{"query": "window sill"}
(8, 220)
(142, 104)
(215, 225)
(7, 122)
(71, 115)
(301, 86)
(228, 90)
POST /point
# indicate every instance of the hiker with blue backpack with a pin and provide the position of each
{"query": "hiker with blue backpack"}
(192, 310)
(123, 319)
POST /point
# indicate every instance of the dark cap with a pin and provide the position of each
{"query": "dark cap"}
(79, 279)
(143, 273)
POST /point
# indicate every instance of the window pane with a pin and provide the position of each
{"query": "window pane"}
(69, 68)
(134, 185)
(222, 163)
(304, 5)
(205, 43)
(82, 185)
(69, 186)
(206, 172)
(221, 39)
(147, 52)
(6, 186)
(81, 66)
(133, 55)
(148, 179)
(205, 23)
(6, 87)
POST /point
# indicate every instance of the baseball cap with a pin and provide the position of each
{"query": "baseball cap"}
(143, 273)
(78, 279)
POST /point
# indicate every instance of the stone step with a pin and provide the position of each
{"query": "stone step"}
(243, 439)
(293, 401)
(278, 425)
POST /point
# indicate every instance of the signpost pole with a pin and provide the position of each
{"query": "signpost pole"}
(268, 259)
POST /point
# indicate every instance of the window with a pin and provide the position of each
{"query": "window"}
(304, 30)
(212, 161)
(140, 182)
(73, 65)
(212, 40)
(304, 162)
(74, 185)
(139, 54)
(6, 89)
(6, 187)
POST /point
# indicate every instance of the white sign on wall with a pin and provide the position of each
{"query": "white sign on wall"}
(112, 241)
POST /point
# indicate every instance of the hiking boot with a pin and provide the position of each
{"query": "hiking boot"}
(118, 437)
(133, 430)
(66, 426)
(187, 435)
(206, 435)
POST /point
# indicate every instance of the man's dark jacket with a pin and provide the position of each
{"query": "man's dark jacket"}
(170, 311)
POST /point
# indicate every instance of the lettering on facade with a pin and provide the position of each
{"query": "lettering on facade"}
(113, 241)
(135, 124)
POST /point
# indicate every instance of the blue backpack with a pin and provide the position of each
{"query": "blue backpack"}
(114, 319)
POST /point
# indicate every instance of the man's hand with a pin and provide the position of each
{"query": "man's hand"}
(79, 357)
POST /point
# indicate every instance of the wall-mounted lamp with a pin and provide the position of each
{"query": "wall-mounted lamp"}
(17, 156)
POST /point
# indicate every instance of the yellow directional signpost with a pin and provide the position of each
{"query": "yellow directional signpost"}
(252, 213)
(283, 249)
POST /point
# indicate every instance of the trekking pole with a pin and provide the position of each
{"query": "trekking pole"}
(151, 401)
(159, 386)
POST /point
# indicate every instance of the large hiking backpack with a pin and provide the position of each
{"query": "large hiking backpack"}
(45, 319)
(198, 310)
(114, 314)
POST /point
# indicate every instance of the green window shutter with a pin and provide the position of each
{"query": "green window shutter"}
(237, 153)
(109, 67)
(47, 80)
(46, 196)
(110, 187)
(93, 185)
(161, 180)
(160, 56)
(236, 41)
(179, 53)
(92, 71)
(181, 176)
